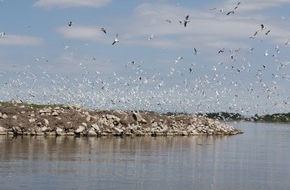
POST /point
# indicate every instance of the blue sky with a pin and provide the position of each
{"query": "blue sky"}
(154, 65)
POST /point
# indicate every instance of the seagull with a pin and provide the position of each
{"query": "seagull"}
(262, 26)
(268, 32)
(238, 4)
(266, 53)
(222, 50)
(231, 12)
(2, 34)
(178, 59)
(251, 50)
(255, 34)
(115, 40)
(70, 23)
(288, 42)
(186, 20)
(151, 37)
(167, 20)
(195, 51)
(104, 30)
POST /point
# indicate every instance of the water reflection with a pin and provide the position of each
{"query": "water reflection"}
(254, 160)
(90, 149)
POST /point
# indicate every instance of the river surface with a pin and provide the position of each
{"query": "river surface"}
(257, 159)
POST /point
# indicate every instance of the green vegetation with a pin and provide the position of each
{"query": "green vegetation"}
(275, 118)
(278, 117)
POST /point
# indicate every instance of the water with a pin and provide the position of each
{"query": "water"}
(257, 159)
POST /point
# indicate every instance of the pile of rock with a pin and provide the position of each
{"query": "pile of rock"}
(74, 121)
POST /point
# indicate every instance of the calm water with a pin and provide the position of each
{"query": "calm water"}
(257, 159)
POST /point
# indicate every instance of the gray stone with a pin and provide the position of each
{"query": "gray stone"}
(117, 130)
(92, 132)
(54, 113)
(137, 117)
(3, 131)
(4, 116)
(80, 129)
(96, 127)
(46, 122)
(59, 131)
(44, 128)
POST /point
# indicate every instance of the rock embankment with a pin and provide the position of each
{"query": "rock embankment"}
(24, 119)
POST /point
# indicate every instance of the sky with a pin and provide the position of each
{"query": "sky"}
(230, 56)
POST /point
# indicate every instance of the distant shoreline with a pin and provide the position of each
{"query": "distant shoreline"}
(267, 118)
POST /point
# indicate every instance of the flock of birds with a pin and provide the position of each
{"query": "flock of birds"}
(233, 84)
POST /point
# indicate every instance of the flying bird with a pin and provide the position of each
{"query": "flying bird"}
(70, 23)
(104, 30)
(151, 37)
(266, 53)
(222, 50)
(268, 32)
(262, 27)
(195, 51)
(186, 20)
(178, 59)
(230, 12)
(115, 40)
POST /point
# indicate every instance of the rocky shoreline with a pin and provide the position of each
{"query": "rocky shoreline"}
(25, 119)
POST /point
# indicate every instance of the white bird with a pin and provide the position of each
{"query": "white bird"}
(178, 59)
(2, 34)
(115, 40)
(186, 20)
(151, 37)
(266, 53)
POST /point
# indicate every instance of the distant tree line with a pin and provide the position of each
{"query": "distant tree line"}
(277, 117)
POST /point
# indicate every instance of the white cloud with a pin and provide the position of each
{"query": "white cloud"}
(71, 3)
(206, 28)
(254, 5)
(82, 33)
(20, 40)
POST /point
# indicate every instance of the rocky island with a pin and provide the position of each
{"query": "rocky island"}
(17, 118)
